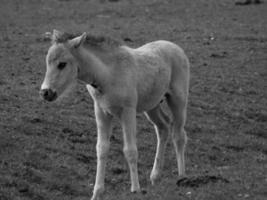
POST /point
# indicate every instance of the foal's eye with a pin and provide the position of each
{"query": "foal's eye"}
(61, 65)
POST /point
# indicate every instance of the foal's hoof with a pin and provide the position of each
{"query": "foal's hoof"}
(99, 197)
(155, 178)
(142, 191)
(98, 194)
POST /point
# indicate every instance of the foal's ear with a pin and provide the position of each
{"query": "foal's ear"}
(78, 41)
(56, 35)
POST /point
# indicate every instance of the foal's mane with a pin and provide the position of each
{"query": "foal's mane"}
(95, 41)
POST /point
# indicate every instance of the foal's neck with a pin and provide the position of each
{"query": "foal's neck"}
(92, 69)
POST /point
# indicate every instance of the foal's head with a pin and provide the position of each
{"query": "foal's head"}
(61, 66)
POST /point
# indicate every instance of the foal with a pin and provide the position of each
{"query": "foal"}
(123, 81)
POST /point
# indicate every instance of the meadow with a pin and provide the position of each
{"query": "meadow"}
(47, 150)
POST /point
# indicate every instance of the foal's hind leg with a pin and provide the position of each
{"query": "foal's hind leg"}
(177, 102)
(161, 123)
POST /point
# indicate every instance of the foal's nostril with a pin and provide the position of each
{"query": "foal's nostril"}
(48, 94)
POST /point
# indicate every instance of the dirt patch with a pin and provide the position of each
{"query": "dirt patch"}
(198, 181)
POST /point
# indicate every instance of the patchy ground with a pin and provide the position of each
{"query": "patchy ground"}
(47, 150)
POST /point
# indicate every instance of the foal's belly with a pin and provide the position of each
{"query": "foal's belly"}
(146, 103)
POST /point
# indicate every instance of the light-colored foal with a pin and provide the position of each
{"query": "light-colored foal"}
(123, 81)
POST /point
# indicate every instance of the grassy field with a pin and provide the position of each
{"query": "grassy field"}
(47, 151)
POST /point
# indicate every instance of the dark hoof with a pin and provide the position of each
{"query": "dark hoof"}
(142, 191)
(243, 3)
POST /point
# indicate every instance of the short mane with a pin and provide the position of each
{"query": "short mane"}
(97, 41)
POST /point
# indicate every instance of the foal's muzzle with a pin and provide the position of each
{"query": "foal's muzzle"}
(48, 94)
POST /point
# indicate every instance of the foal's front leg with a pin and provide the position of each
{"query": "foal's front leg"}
(128, 121)
(104, 128)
